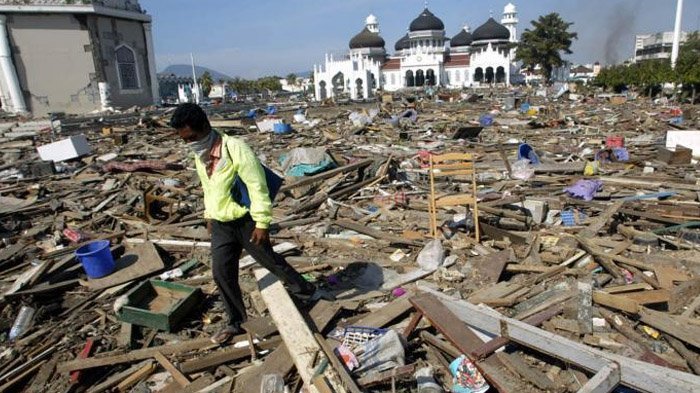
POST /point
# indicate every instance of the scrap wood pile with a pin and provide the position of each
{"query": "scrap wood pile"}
(585, 275)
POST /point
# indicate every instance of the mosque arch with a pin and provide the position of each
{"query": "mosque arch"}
(430, 77)
(479, 75)
(359, 89)
(322, 90)
(338, 83)
(500, 75)
(410, 80)
(489, 75)
(420, 78)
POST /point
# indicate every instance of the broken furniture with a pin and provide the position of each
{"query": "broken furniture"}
(452, 165)
(159, 304)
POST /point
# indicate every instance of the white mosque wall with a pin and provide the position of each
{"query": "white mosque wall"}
(352, 71)
(489, 57)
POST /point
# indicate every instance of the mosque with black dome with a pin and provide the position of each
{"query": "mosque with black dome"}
(425, 56)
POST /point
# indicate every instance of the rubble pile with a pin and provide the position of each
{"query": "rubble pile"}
(584, 275)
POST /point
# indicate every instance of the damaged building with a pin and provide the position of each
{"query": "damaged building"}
(75, 57)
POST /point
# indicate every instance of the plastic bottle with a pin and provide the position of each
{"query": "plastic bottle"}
(425, 381)
(272, 383)
(22, 322)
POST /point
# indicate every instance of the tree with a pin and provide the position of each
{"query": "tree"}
(292, 80)
(206, 82)
(687, 70)
(544, 44)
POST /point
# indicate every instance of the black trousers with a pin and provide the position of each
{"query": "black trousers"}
(228, 239)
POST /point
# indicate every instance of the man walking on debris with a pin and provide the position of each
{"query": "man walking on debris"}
(219, 159)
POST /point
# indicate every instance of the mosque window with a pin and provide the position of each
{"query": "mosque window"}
(126, 68)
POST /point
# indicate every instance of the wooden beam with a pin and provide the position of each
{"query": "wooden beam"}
(634, 373)
(376, 233)
(224, 355)
(617, 302)
(339, 367)
(139, 354)
(604, 381)
(679, 327)
(136, 377)
(178, 377)
(386, 314)
(297, 336)
(462, 338)
(325, 175)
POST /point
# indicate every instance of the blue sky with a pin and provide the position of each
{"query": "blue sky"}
(265, 37)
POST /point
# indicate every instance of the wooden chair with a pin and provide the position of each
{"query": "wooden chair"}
(450, 165)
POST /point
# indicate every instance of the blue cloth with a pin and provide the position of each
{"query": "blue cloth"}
(486, 120)
(526, 151)
(239, 191)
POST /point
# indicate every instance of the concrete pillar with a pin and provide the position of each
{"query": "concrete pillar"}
(9, 72)
(147, 27)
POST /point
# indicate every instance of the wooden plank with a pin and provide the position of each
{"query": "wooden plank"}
(196, 386)
(667, 275)
(136, 377)
(682, 295)
(534, 320)
(178, 377)
(681, 328)
(325, 175)
(599, 222)
(463, 338)
(515, 363)
(297, 336)
(280, 361)
(692, 358)
(382, 377)
(648, 297)
(224, 355)
(488, 268)
(261, 327)
(377, 234)
(139, 354)
(616, 302)
(126, 335)
(627, 288)
(634, 373)
(604, 381)
(386, 314)
(113, 380)
(339, 367)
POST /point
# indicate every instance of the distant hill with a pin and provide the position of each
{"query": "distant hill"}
(186, 70)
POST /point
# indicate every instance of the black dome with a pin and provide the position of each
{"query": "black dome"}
(366, 39)
(491, 30)
(463, 38)
(426, 21)
(402, 43)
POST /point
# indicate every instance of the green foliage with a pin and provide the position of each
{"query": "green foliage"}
(544, 44)
(245, 86)
(292, 79)
(206, 82)
(649, 75)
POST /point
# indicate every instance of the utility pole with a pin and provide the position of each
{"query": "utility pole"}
(676, 33)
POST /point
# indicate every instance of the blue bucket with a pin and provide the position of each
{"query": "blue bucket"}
(96, 258)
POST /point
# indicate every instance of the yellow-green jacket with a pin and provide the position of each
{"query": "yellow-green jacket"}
(237, 158)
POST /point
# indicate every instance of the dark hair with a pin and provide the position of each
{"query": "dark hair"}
(190, 115)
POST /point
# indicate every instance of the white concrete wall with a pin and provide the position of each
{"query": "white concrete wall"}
(53, 58)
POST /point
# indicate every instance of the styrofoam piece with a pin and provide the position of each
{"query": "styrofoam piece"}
(686, 138)
(65, 149)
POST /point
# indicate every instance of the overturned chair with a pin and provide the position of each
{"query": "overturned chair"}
(450, 165)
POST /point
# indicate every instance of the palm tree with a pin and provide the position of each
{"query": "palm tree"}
(292, 80)
(206, 82)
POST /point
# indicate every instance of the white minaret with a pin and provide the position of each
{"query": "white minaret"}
(510, 21)
(372, 24)
(676, 33)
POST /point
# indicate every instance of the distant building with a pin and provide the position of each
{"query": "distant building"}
(585, 73)
(75, 56)
(302, 85)
(425, 56)
(175, 89)
(655, 46)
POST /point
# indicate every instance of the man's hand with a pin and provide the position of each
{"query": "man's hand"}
(260, 237)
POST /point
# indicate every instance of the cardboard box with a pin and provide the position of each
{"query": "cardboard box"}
(65, 149)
